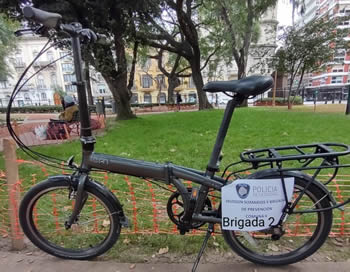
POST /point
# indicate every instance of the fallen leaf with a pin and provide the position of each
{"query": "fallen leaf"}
(106, 223)
(163, 250)
(216, 244)
(172, 150)
(132, 266)
(337, 242)
(126, 241)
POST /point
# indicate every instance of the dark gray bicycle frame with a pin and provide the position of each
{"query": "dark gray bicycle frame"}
(167, 173)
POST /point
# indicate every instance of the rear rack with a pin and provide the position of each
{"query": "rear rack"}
(301, 153)
(305, 157)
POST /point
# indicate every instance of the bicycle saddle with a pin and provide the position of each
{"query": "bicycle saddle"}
(252, 85)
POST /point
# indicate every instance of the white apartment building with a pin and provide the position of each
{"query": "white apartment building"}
(57, 77)
(333, 82)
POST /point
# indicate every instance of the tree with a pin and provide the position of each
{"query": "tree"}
(237, 23)
(176, 29)
(179, 69)
(308, 49)
(112, 18)
(7, 44)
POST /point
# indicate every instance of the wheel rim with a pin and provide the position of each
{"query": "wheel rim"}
(51, 209)
(302, 230)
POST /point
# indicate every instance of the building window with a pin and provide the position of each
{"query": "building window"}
(344, 23)
(102, 89)
(146, 81)
(66, 56)
(337, 79)
(3, 84)
(147, 98)
(67, 67)
(69, 78)
(161, 80)
(43, 96)
(26, 96)
(339, 56)
(41, 82)
(339, 70)
(192, 97)
(162, 98)
(18, 59)
(50, 56)
(134, 98)
(53, 79)
(70, 88)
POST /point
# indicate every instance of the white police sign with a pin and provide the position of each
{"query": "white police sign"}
(254, 204)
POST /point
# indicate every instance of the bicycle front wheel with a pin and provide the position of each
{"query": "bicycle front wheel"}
(304, 233)
(47, 206)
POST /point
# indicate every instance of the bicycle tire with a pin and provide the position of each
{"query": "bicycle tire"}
(50, 236)
(312, 244)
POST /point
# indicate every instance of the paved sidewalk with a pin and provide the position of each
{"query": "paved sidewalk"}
(18, 262)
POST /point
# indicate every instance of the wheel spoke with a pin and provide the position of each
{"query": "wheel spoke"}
(49, 209)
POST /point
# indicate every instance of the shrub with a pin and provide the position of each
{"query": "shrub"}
(278, 101)
(38, 109)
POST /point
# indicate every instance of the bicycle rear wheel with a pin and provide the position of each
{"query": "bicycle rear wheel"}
(47, 206)
(304, 233)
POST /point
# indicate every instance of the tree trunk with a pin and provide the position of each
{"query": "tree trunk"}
(88, 84)
(116, 79)
(241, 70)
(241, 74)
(198, 81)
(120, 97)
(173, 82)
(290, 104)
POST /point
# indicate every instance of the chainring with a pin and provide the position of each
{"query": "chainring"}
(176, 211)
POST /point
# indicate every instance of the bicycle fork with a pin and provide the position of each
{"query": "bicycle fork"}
(80, 199)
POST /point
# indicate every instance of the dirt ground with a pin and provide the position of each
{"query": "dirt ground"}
(334, 250)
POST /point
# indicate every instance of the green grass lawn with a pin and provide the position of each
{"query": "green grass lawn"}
(187, 138)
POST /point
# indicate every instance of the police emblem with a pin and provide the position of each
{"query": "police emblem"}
(242, 190)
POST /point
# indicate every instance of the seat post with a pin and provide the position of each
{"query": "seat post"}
(220, 138)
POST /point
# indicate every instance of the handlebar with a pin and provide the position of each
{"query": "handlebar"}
(52, 20)
(48, 19)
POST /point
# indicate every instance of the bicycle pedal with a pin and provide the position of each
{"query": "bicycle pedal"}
(125, 222)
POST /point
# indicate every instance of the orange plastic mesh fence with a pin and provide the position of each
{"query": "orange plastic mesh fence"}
(145, 203)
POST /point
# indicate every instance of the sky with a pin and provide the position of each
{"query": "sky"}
(284, 12)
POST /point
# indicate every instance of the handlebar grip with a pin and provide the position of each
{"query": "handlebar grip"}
(48, 19)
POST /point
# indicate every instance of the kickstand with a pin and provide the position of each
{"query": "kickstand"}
(201, 251)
